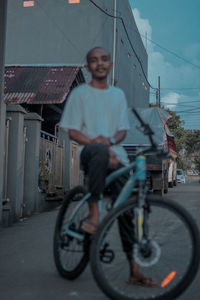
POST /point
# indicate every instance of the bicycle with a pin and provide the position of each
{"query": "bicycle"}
(153, 247)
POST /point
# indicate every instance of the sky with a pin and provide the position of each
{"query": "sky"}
(170, 33)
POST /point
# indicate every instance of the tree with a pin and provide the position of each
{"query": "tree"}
(197, 163)
(187, 142)
(175, 126)
(192, 143)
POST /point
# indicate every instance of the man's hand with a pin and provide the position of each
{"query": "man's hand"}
(100, 139)
(113, 161)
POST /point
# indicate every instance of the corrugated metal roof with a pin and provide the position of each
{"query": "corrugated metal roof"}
(38, 84)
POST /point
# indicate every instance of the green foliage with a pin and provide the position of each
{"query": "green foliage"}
(187, 141)
(174, 122)
(192, 143)
(175, 126)
(44, 171)
(197, 163)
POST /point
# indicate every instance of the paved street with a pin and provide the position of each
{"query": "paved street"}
(27, 270)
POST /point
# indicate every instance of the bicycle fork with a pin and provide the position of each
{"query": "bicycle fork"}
(140, 212)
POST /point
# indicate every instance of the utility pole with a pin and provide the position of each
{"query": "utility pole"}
(158, 91)
(3, 13)
(114, 40)
(146, 40)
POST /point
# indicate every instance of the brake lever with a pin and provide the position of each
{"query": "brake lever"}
(140, 128)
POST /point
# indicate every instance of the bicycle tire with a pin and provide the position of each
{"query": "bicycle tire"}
(119, 290)
(68, 267)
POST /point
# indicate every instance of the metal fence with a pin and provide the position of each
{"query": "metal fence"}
(51, 156)
(76, 175)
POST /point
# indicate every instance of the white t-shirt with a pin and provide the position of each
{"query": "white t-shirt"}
(97, 112)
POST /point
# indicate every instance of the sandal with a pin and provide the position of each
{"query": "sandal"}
(143, 281)
(89, 227)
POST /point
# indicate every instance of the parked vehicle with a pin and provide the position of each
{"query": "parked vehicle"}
(172, 162)
(172, 173)
(157, 168)
(180, 176)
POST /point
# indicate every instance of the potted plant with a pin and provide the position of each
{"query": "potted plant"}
(44, 174)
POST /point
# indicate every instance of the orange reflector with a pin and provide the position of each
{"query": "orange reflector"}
(73, 1)
(29, 3)
(168, 279)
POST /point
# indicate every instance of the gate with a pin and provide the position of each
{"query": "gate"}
(51, 160)
(76, 175)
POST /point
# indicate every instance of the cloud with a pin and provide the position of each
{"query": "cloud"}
(170, 100)
(172, 75)
(192, 52)
(144, 27)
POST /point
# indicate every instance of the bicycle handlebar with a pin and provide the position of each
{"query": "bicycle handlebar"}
(149, 132)
(146, 129)
(159, 152)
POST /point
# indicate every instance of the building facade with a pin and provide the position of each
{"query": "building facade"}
(43, 41)
(58, 33)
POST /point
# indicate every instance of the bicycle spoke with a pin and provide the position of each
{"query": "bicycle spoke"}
(71, 255)
(173, 252)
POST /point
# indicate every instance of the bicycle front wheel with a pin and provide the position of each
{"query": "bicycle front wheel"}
(172, 261)
(71, 255)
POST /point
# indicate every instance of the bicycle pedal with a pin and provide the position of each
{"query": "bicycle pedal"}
(107, 256)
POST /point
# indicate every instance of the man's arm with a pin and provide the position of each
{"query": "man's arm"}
(82, 139)
(120, 136)
(79, 137)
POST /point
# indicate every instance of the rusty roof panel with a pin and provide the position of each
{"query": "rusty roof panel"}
(38, 85)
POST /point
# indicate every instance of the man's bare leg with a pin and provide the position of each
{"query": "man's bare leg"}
(90, 225)
(136, 277)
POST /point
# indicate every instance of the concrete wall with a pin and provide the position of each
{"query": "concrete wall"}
(129, 74)
(55, 32)
(15, 179)
(32, 201)
(23, 166)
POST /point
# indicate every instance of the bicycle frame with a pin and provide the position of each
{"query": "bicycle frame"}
(139, 174)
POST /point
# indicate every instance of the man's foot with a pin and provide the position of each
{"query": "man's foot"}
(137, 278)
(143, 281)
(89, 226)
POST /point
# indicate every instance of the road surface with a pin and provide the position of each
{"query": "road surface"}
(27, 270)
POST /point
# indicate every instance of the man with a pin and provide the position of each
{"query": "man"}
(96, 118)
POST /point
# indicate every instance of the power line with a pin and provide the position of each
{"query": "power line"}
(177, 104)
(181, 103)
(189, 112)
(187, 88)
(125, 29)
(158, 45)
(197, 109)
(171, 52)
(186, 99)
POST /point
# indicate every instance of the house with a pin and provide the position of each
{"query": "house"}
(45, 53)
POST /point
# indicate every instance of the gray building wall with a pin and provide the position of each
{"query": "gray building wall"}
(15, 179)
(55, 32)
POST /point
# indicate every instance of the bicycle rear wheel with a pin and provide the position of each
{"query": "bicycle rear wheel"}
(71, 255)
(172, 263)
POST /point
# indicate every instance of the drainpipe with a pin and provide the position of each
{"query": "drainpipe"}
(114, 41)
(3, 6)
